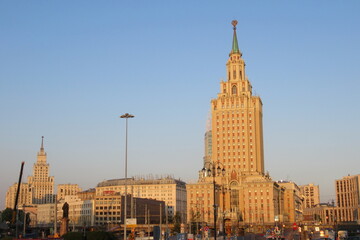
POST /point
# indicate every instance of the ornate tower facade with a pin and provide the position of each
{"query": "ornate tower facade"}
(237, 120)
(233, 188)
(40, 183)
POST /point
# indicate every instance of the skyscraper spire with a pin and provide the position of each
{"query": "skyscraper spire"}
(235, 46)
(41, 153)
(42, 144)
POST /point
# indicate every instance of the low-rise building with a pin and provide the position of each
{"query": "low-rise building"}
(322, 213)
(293, 202)
(348, 198)
(311, 195)
(66, 190)
(46, 215)
(81, 212)
(167, 189)
(109, 209)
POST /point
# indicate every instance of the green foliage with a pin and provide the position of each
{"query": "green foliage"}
(100, 236)
(6, 215)
(6, 238)
(177, 223)
(73, 236)
(89, 236)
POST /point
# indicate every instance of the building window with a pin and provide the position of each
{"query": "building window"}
(234, 90)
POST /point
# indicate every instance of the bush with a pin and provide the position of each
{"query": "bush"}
(89, 236)
(6, 238)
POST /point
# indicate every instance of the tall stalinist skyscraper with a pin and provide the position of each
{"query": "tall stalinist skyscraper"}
(40, 183)
(237, 132)
(242, 193)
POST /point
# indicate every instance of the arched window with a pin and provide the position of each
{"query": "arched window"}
(234, 90)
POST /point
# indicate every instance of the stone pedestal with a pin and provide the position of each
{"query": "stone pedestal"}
(64, 226)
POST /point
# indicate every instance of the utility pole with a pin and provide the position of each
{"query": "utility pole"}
(146, 218)
(132, 202)
(166, 221)
(126, 116)
(148, 215)
(55, 220)
(160, 221)
(73, 228)
(24, 220)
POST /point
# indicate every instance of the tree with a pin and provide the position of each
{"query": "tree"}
(177, 223)
(6, 215)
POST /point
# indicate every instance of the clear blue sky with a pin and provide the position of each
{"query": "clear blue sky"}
(68, 69)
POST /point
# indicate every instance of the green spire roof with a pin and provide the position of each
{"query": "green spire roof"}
(235, 46)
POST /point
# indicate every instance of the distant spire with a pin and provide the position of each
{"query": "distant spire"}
(42, 144)
(235, 46)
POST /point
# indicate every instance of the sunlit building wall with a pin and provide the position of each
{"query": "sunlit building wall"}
(348, 198)
(311, 195)
(66, 190)
(24, 195)
(167, 189)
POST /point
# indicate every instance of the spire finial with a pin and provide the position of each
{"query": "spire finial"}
(42, 143)
(234, 23)
(235, 46)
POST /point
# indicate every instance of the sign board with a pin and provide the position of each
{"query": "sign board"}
(108, 192)
(131, 221)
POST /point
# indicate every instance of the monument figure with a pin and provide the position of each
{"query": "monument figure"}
(65, 219)
(65, 209)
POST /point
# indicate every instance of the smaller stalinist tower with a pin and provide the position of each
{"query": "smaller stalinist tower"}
(40, 183)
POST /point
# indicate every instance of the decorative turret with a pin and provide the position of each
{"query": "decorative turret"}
(237, 83)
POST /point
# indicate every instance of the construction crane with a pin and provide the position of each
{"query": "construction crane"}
(13, 221)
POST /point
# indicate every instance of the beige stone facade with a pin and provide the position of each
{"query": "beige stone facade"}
(87, 194)
(348, 198)
(46, 215)
(311, 195)
(109, 209)
(245, 194)
(293, 202)
(24, 195)
(40, 183)
(66, 190)
(322, 213)
(199, 200)
(167, 189)
(81, 212)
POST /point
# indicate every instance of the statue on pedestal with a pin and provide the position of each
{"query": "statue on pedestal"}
(65, 219)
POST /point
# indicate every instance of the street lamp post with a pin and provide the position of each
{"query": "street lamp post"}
(126, 116)
(215, 169)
